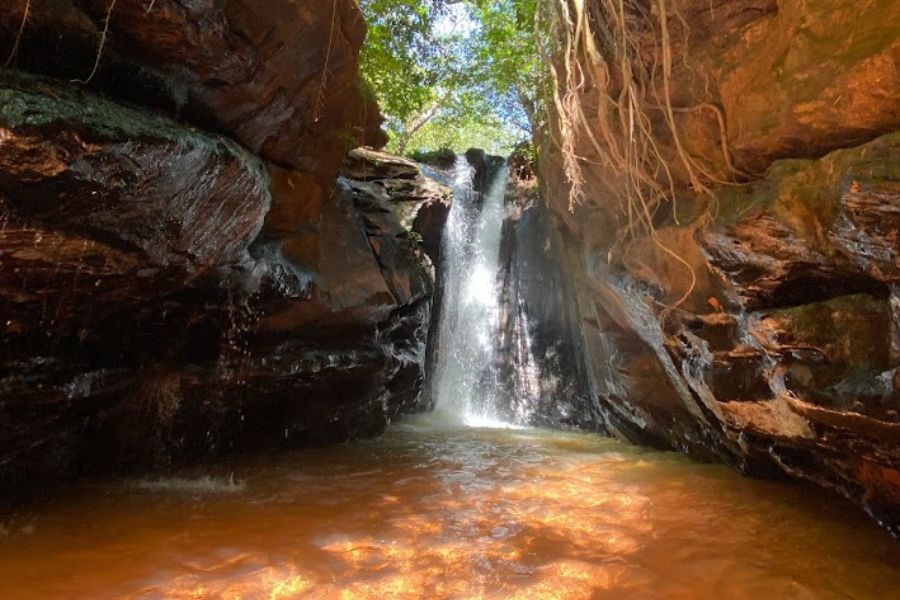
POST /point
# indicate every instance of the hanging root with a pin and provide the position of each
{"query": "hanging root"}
(605, 91)
(18, 40)
(326, 73)
(103, 36)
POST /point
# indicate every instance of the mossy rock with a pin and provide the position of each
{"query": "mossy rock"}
(806, 194)
(28, 101)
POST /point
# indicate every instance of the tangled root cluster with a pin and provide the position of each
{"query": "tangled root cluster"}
(607, 92)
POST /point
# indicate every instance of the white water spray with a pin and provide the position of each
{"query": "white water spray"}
(466, 376)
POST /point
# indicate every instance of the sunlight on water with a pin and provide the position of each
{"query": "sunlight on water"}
(433, 510)
(449, 419)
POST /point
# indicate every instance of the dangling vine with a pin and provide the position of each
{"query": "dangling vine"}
(319, 103)
(104, 35)
(605, 93)
(15, 48)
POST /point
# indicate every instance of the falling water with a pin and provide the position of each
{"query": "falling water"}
(466, 376)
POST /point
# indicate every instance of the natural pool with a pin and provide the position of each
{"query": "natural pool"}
(429, 511)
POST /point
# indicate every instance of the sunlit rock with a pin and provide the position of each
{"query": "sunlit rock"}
(757, 322)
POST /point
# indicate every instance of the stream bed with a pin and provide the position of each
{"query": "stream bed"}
(436, 511)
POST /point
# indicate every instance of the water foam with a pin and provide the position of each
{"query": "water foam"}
(200, 485)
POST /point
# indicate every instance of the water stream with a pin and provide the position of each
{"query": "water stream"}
(465, 382)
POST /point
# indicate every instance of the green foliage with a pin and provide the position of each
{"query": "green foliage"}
(460, 130)
(506, 51)
(401, 58)
(453, 73)
(412, 237)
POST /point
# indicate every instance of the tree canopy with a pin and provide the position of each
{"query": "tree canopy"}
(453, 73)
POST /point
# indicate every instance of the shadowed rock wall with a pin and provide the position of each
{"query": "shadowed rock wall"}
(279, 77)
(183, 272)
(783, 358)
(542, 359)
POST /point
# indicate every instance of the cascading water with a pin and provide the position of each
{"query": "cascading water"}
(465, 382)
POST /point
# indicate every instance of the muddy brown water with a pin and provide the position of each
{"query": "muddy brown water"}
(429, 511)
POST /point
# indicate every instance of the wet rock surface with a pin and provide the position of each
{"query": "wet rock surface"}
(783, 358)
(539, 343)
(392, 184)
(171, 294)
(771, 341)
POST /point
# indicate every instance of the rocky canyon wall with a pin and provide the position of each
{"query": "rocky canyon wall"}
(543, 360)
(760, 324)
(186, 268)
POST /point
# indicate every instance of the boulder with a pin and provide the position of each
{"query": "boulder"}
(388, 183)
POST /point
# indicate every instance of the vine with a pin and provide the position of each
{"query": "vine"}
(323, 85)
(18, 38)
(606, 92)
(103, 37)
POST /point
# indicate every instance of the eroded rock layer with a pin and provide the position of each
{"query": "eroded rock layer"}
(279, 77)
(185, 273)
(761, 329)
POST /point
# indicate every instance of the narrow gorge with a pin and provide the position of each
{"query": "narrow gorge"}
(271, 326)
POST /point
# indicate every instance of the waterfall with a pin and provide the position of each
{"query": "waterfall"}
(465, 382)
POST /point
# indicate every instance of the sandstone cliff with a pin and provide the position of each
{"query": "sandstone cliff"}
(760, 323)
(182, 270)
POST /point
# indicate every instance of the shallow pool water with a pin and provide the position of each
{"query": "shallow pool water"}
(429, 511)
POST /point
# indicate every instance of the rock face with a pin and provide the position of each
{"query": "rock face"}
(771, 341)
(170, 293)
(421, 204)
(279, 77)
(541, 357)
